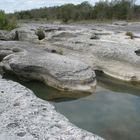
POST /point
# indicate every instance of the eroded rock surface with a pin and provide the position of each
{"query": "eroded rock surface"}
(102, 47)
(65, 59)
(23, 116)
(33, 62)
(7, 35)
(53, 69)
(113, 52)
(25, 33)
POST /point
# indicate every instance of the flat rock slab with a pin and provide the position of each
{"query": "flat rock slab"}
(24, 116)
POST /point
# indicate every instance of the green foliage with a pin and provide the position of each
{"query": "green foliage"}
(3, 20)
(12, 24)
(7, 23)
(130, 34)
(66, 12)
(115, 9)
(40, 33)
(60, 51)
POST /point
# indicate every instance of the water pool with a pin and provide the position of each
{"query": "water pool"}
(112, 112)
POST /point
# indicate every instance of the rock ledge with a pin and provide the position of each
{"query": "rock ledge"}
(24, 116)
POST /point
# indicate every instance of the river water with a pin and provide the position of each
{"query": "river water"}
(112, 112)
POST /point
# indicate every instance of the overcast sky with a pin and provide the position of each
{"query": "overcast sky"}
(17, 5)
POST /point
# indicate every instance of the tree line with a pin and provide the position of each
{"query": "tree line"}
(115, 9)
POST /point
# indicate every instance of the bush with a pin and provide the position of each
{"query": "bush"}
(3, 20)
(12, 24)
(130, 34)
(40, 33)
(7, 23)
(61, 52)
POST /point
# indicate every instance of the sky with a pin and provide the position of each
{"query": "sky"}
(17, 5)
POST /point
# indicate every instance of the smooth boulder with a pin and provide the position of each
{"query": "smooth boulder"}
(53, 69)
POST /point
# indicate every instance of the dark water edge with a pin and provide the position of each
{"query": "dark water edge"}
(46, 92)
(112, 112)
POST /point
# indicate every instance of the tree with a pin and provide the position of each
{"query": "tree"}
(115, 9)
(66, 12)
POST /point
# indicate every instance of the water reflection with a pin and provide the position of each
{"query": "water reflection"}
(112, 112)
(47, 93)
(112, 115)
(112, 84)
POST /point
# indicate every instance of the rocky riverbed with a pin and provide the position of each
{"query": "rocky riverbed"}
(74, 52)
(65, 58)
(24, 116)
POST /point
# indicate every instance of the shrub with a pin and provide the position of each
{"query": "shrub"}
(130, 34)
(12, 24)
(3, 20)
(40, 33)
(7, 23)
(61, 51)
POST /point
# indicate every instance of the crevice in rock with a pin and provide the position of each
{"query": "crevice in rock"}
(7, 51)
(99, 72)
(1, 58)
(60, 52)
(96, 37)
(16, 36)
(137, 52)
(21, 134)
(48, 29)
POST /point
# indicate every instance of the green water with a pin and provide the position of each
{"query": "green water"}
(112, 112)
